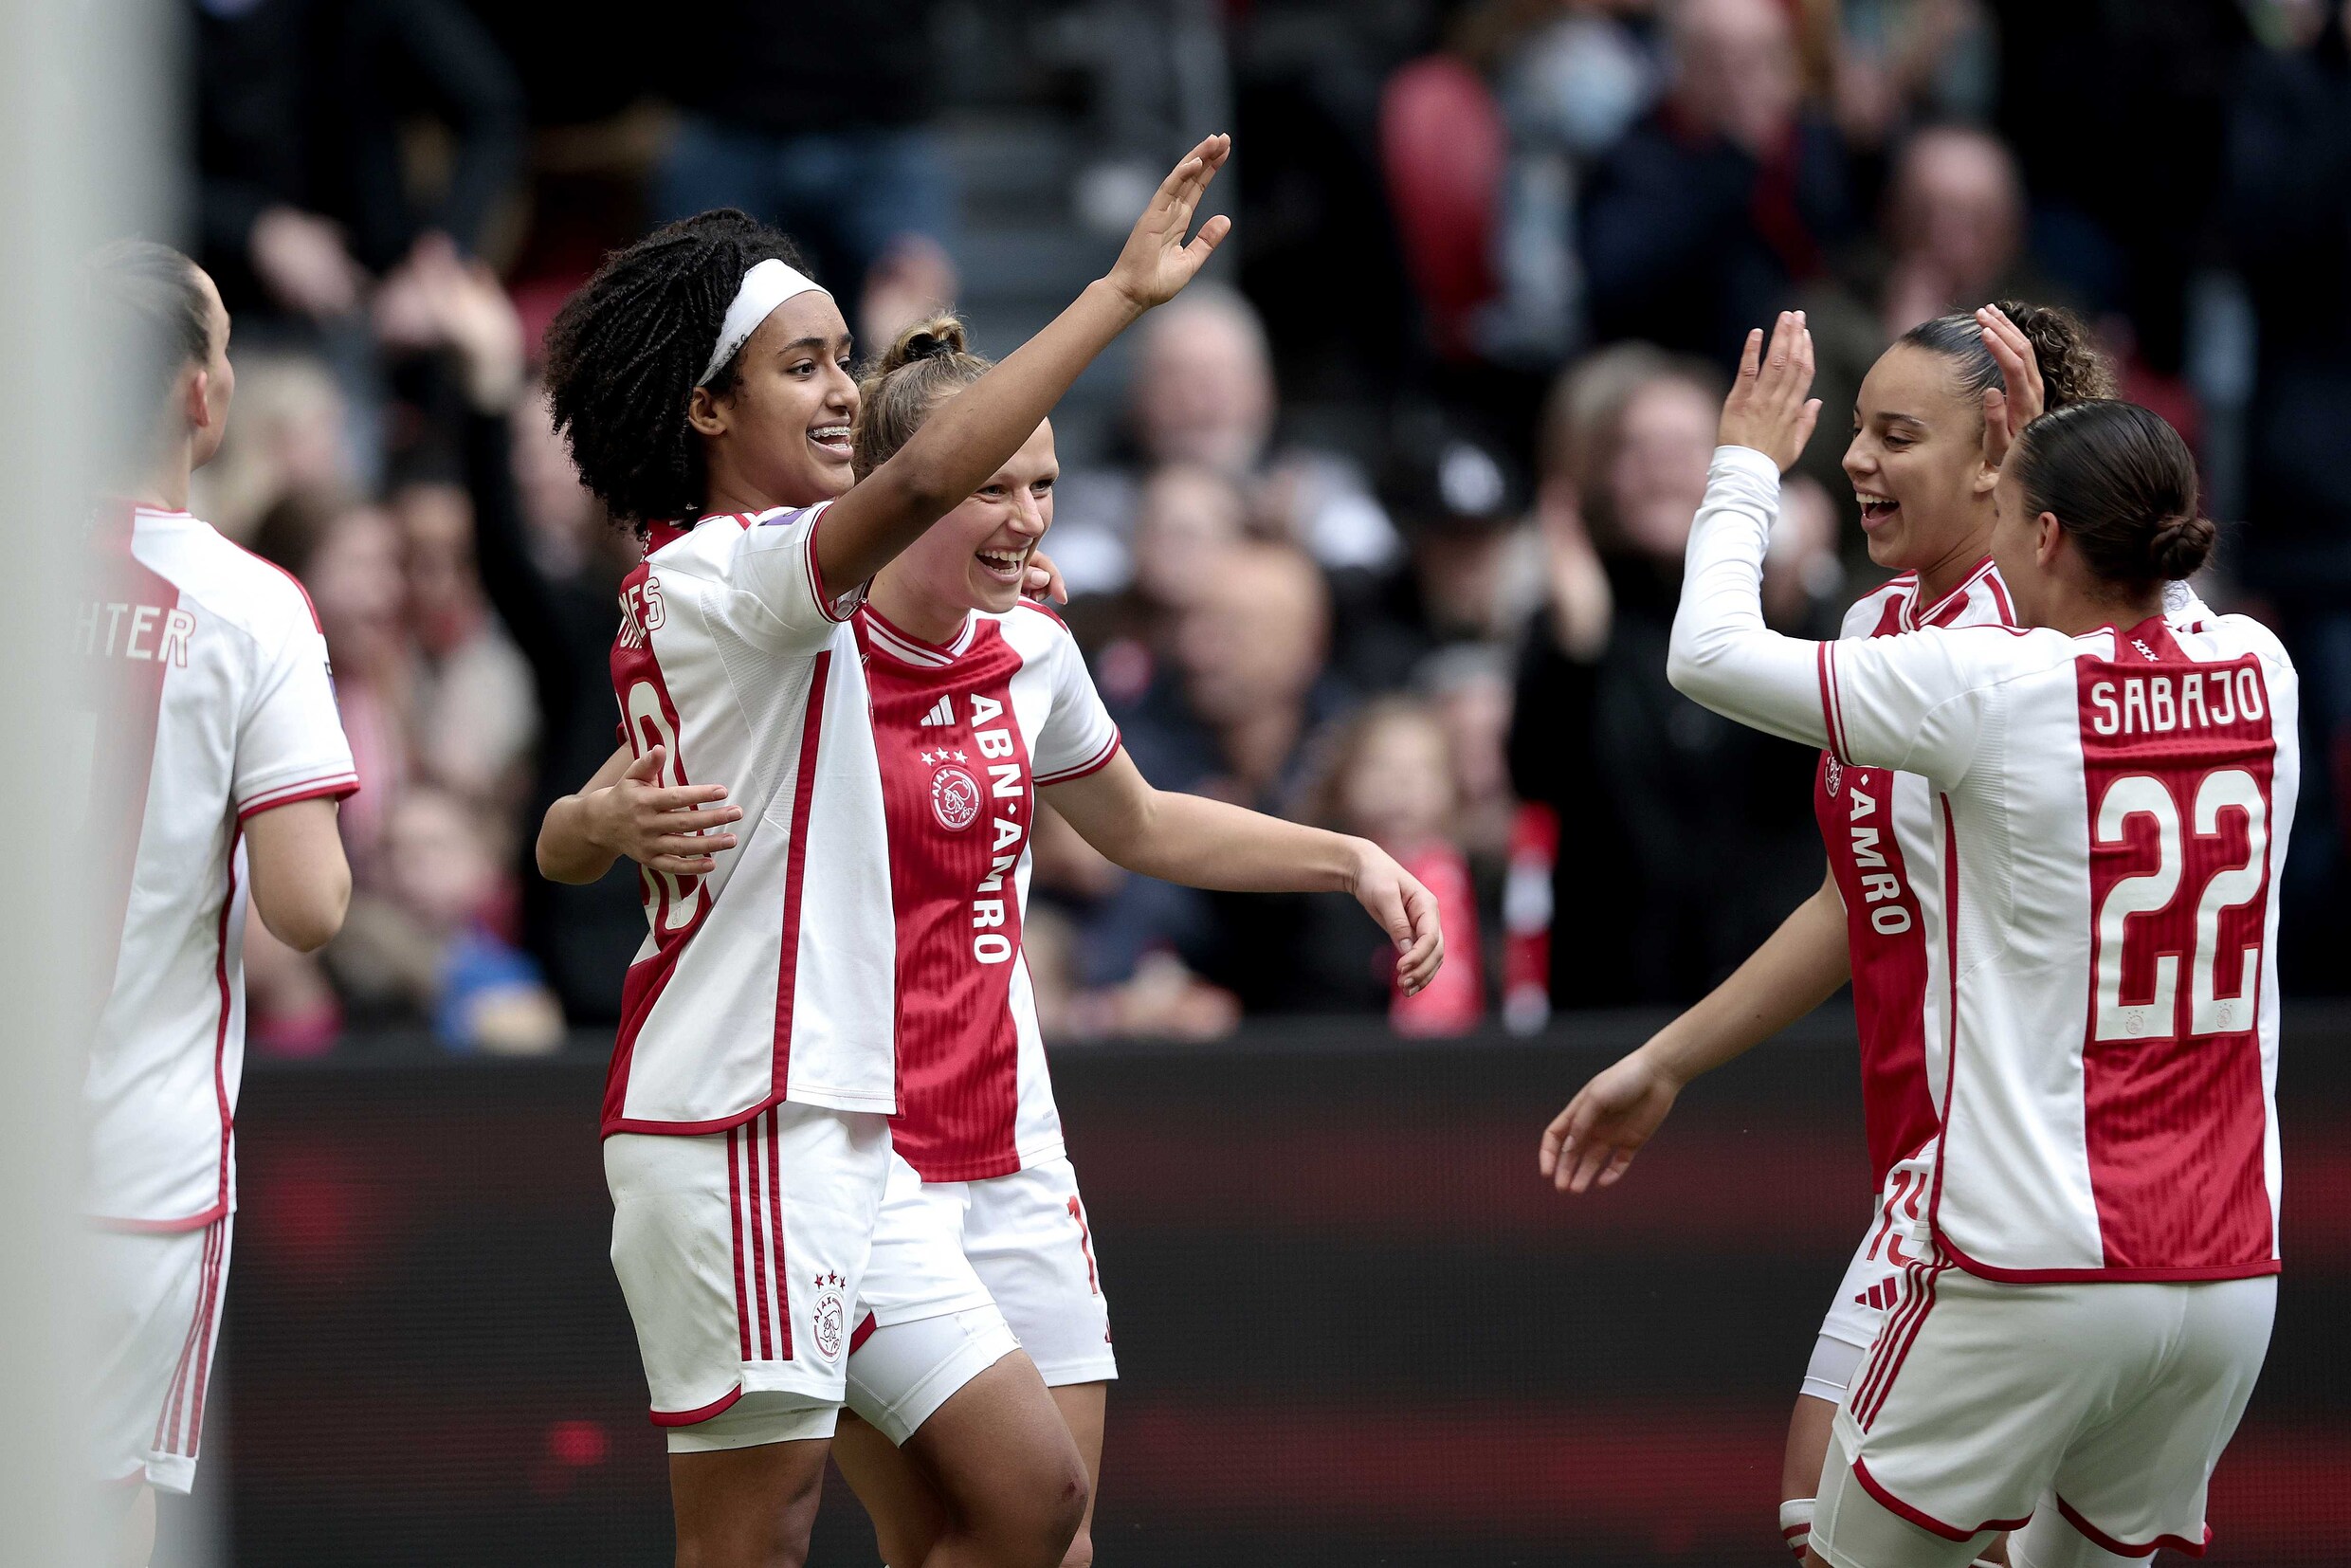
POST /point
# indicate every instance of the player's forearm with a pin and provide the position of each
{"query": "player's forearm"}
(1723, 655)
(1202, 842)
(1797, 969)
(568, 850)
(964, 443)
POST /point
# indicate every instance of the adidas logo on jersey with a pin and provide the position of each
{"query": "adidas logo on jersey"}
(1882, 1295)
(942, 712)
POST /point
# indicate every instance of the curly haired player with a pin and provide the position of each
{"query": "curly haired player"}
(701, 380)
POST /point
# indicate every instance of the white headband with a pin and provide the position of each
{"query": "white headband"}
(764, 287)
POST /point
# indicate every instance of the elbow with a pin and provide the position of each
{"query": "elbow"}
(1688, 665)
(308, 925)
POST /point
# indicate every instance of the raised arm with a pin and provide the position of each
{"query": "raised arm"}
(1202, 842)
(975, 433)
(1799, 967)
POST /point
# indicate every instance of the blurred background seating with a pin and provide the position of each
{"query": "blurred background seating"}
(1380, 526)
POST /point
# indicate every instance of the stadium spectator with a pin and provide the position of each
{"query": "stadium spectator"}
(1952, 238)
(475, 714)
(815, 118)
(424, 940)
(1699, 831)
(550, 564)
(1390, 776)
(1185, 514)
(1571, 81)
(2289, 218)
(1460, 514)
(1201, 390)
(1718, 205)
(303, 115)
(1228, 714)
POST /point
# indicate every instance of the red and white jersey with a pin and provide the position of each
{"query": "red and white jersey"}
(216, 705)
(1880, 830)
(2114, 811)
(965, 733)
(769, 979)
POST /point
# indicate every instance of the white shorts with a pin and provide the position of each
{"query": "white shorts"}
(740, 1253)
(156, 1301)
(1023, 1241)
(1872, 1279)
(2095, 1412)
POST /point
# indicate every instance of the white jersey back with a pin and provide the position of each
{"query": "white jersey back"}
(2115, 809)
(769, 979)
(217, 704)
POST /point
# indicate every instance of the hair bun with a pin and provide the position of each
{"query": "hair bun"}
(2180, 546)
(2074, 369)
(939, 337)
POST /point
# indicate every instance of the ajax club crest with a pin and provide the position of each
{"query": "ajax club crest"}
(830, 1316)
(954, 793)
(1833, 775)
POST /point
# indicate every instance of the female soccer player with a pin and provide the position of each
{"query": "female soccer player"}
(1933, 419)
(980, 701)
(701, 377)
(213, 766)
(2090, 1275)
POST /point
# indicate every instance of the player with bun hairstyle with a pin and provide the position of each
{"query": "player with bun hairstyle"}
(703, 382)
(1933, 419)
(2088, 1278)
(982, 706)
(210, 771)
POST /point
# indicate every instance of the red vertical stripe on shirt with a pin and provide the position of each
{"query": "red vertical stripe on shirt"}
(795, 866)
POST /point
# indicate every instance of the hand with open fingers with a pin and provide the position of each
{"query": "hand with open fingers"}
(1605, 1126)
(1406, 910)
(676, 829)
(1770, 407)
(2021, 397)
(1043, 580)
(1156, 263)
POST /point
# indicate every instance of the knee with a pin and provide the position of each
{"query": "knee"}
(1047, 1530)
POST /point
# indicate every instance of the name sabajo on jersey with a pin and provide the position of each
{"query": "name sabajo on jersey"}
(957, 800)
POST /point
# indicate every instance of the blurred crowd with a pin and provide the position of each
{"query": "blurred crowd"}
(1382, 528)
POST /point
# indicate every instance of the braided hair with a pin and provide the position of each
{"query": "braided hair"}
(624, 354)
(2072, 369)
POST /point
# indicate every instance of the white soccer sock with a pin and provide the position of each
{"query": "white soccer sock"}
(1795, 1524)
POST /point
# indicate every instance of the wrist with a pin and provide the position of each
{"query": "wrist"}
(1660, 1057)
(1111, 291)
(594, 819)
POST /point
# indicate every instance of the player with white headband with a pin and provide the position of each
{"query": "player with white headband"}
(701, 380)
(983, 709)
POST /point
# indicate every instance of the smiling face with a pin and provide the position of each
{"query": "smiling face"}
(976, 556)
(779, 435)
(1917, 464)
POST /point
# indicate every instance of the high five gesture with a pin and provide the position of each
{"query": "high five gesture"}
(1769, 408)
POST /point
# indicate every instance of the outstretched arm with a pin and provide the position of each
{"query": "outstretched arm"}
(1798, 968)
(975, 433)
(1202, 842)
